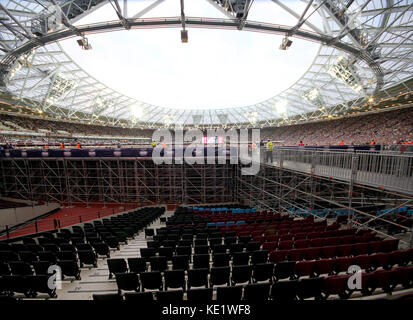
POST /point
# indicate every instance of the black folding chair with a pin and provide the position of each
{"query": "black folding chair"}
(116, 266)
(87, 257)
(257, 292)
(142, 297)
(108, 297)
(175, 296)
(180, 262)
(151, 280)
(198, 278)
(199, 295)
(219, 276)
(229, 294)
(158, 263)
(127, 282)
(137, 265)
(174, 279)
(241, 274)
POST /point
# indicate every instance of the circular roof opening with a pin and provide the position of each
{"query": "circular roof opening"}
(215, 69)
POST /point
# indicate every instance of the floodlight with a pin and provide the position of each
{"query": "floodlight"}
(137, 112)
(313, 96)
(281, 106)
(252, 116)
(184, 36)
(285, 44)
(59, 86)
(345, 71)
(84, 44)
(168, 119)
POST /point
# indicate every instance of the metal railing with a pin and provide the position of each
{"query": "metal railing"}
(388, 170)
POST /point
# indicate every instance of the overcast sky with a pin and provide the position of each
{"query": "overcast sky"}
(215, 69)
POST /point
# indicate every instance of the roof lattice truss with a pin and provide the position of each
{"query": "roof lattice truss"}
(365, 46)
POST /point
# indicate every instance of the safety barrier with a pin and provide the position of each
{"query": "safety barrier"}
(384, 170)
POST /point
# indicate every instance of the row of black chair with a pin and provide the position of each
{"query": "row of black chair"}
(30, 285)
(252, 292)
(198, 277)
(160, 263)
(169, 252)
(283, 291)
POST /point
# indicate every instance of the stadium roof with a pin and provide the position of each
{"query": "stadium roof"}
(365, 47)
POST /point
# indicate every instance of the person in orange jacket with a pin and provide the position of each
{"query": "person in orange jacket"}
(62, 146)
(372, 142)
(78, 146)
(341, 143)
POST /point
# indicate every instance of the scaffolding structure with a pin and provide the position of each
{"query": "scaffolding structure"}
(287, 191)
(278, 188)
(115, 180)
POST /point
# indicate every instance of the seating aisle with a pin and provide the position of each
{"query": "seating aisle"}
(96, 281)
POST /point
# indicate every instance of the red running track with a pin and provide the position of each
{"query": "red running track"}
(67, 217)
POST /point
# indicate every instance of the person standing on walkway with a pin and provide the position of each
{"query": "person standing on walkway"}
(268, 151)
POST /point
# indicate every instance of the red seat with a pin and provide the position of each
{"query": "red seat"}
(296, 254)
(300, 236)
(323, 266)
(344, 250)
(408, 256)
(242, 233)
(283, 231)
(397, 257)
(277, 255)
(410, 270)
(365, 278)
(363, 260)
(256, 233)
(270, 246)
(271, 238)
(389, 245)
(311, 253)
(379, 279)
(332, 227)
(328, 252)
(331, 241)
(342, 264)
(374, 246)
(295, 230)
(399, 276)
(362, 238)
(360, 248)
(347, 239)
(304, 268)
(260, 239)
(380, 259)
(316, 242)
(336, 285)
(304, 243)
(285, 237)
(285, 245)
(311, 234)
